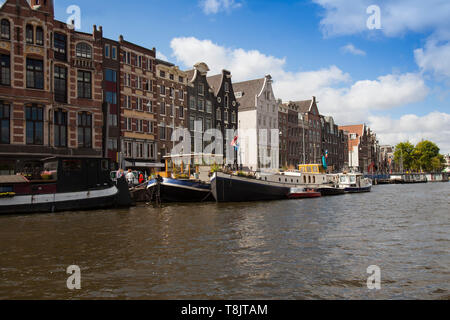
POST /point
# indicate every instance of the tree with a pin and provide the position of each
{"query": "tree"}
(424, 154)
(438, 163)
(404, 155)
(423, 157)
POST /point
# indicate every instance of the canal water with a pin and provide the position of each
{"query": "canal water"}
(300, 249)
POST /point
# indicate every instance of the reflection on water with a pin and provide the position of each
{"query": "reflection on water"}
(305, 249)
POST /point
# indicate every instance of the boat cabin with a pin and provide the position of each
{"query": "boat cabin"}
(350, 179)
(60, 175)
(312, 168)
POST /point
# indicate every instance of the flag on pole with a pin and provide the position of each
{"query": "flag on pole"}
(235, 144)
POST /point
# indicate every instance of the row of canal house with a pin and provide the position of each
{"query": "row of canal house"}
(306, 136)
(65, 92)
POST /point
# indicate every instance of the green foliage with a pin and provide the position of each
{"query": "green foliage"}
(216, 168)
(438, 163)
(404, 154)
(422, 157)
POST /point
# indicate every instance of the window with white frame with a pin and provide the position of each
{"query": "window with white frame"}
(128, 149)
(129, 124)
(139, 104)
(140, 126)
(140, 150)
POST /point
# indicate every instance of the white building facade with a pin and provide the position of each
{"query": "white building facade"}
(258, 125)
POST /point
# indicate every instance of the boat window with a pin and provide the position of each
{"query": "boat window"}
(71, 165)
(50, 171)
(314, 179)
(304, 179)
(343, 179)
(309, 179)
(352, 179)
(5, 189)
(105, 165)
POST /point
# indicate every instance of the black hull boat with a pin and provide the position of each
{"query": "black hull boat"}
(330, 191)
(173, 190)
(229, 188)
(75, 185)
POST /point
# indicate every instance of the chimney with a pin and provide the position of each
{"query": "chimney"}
(43, 5)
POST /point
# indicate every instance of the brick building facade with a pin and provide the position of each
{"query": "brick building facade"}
(200, 112)
(364, 150)
(335, 145)
(172, 103)
(51, 86)
(226, 110)
(111, 98)
(138, 107)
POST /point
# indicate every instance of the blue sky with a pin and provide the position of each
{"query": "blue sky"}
(396, 79)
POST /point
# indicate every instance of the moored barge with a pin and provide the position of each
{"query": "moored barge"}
(66, 184)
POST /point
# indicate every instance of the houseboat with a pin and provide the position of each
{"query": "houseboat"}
(179, 190)
(437, 177)
(265, 186)
(65, 184)
(181, 181)
(354, 183)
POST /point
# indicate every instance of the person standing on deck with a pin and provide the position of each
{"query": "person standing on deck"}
(120, 174)
(130, 177)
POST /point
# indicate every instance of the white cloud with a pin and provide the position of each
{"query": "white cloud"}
(215, 6)
(349, 102)
(350, 48)
(243, 64)
(343, 17)
(434, 58)
(434, 126)
(161, 56)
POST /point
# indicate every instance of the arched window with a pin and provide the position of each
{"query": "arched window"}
(83, 50)
(5, 29)
(30, 34)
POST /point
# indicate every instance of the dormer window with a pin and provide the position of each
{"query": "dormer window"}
(5, 29)
(83, 50)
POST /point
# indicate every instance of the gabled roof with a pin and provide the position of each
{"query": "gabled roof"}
(304, 106)
(190, 74)
(249, 91)
(215, 82)
(358, 129)
(15, 2)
